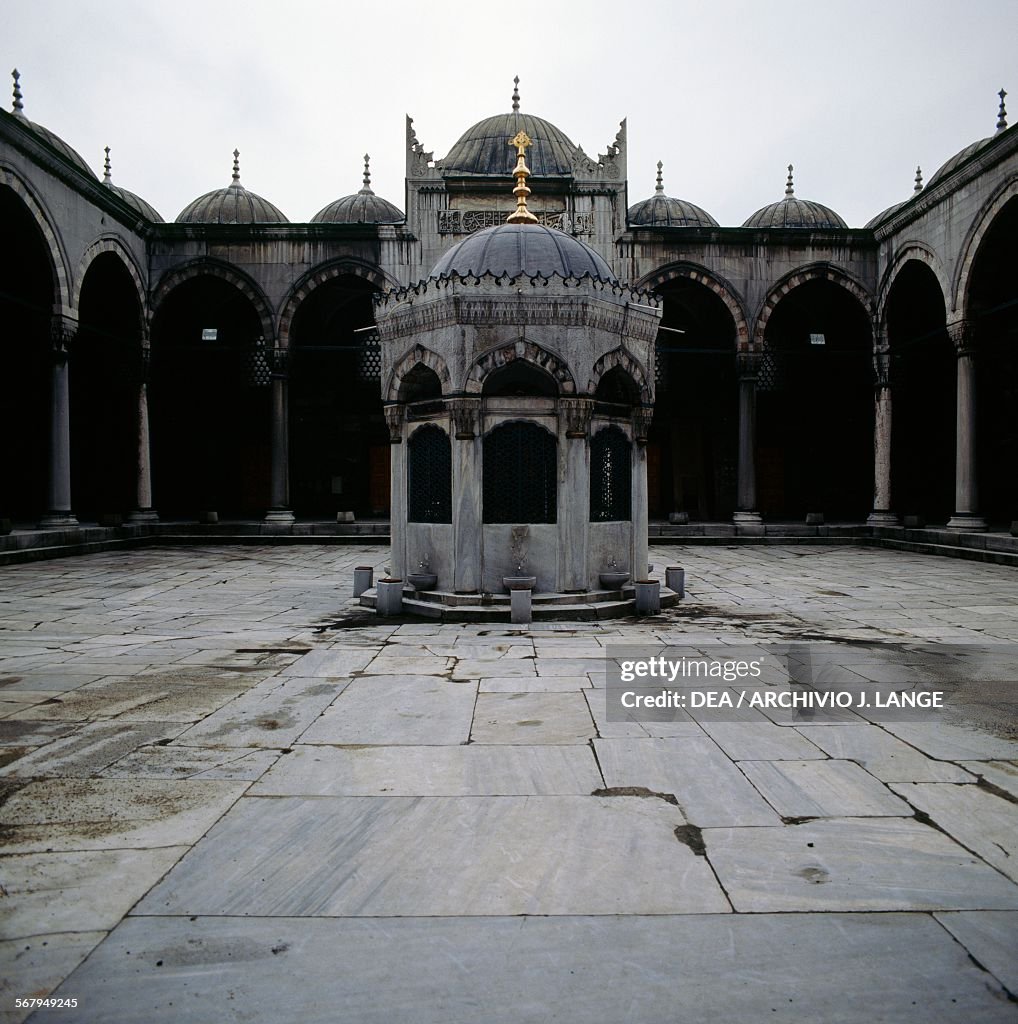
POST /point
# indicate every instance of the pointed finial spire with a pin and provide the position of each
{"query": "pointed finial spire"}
(236, 167)
(918, 180)
(1002, 113)
(660, 186)
(789, 187)
(107, 168)
(366, 190)
(516, 94)
(521, 215)
(18, 108)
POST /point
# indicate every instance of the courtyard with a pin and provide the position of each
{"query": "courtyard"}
(232, 794)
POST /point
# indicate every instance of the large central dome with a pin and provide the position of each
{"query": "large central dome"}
(514, 249)
(484, 148)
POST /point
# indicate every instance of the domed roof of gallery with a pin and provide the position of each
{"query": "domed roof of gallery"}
(483, 149)
(964, 155)
(792, 212)
(72, 156)
(884, 214)
(233, 204)
(363, 207)
(515, 249)
(661, 211)
(139, 205)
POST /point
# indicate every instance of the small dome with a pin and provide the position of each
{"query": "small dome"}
(364, 207)
(874, 221)
(661, 211)
(231, 205)
(145, 210)
(515, 249)
(791, 212)
(956, 161)
(72, 156)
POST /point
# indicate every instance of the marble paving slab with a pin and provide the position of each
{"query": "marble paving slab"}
(105, 814)
(978, 819)
(411, 710)
(711, 791)
(950, 742)
(991, 936)
(241, 764)
(474, 770)
(334, 663)
(853, 864)
(81, 891)
(387, 664)
(532, 684)
(472, 668)
(1002, 774)
(673, 723)
(761, 741)
(826, 789)
(273, 714)
(714, 969)
(89, 749)
(882, 754)
(364, 857)
(527, 718)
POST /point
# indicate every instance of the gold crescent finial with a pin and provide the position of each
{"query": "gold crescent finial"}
(521, 172)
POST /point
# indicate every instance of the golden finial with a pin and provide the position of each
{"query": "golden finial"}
(521, 172)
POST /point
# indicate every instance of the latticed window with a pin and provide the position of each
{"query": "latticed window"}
(429, 476)
(520, 474)
(611, 476)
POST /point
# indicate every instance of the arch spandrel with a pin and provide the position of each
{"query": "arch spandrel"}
(620, 358)
(496, 358)
(417, 356)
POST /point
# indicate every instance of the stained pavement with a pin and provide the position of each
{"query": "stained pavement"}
(230, 795)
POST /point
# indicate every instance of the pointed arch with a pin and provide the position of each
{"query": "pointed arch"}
(417, 356)
(319, 275)
(909, 251)
(714, 282)
(544, 360)
(203, 266)
(59, 264)
(619, 358)
(974, 239)
(811, 272)
(111, 244)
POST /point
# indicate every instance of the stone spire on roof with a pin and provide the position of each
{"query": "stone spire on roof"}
(107, 168)
(789, 187)
(236, 170)
(918, 180)
(1002, 113)
(659, 188)
(366, 190)
(18, 109)
(516, 94)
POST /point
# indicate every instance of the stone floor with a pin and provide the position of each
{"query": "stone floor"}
(232, 795)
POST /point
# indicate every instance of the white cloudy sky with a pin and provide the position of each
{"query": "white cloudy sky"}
(854, 93)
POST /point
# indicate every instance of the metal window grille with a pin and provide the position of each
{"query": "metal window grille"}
(611, 477)
(429, 476)
(520, 474)
(369, 357)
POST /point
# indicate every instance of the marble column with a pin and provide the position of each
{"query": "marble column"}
(395, 417)
(467, 532)
(747, 519)
(62, 332)
(881, 514)
(641, 427)
(143, 511)
(574, 493)
(966, 490)
(279, 497)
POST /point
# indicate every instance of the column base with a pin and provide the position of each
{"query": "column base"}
(54, 520)
(748, 523)
(882, 518)
(280, 515)
(967, 521)
(814, 519)
(143, 515)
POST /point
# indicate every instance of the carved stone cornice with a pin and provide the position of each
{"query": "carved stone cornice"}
(394, 416)
(577, 413)
(466, 415)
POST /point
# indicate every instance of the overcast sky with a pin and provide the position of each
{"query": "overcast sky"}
(855, 94)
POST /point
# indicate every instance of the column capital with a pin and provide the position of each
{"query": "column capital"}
(279, 363)
(62, 332)
(465, 414)
(881, 368)
(747, 365)
(394, 416)
(577, 413)
(642, 415)
(963, 336)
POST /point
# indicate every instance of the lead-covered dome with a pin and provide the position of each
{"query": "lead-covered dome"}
(363, 207)
(514, 249)
(231, 205)
(72, 156)
(661, 211)
(792, 212)
(146, 210)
